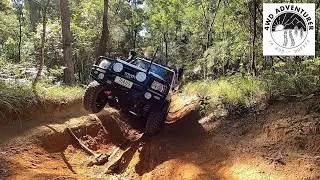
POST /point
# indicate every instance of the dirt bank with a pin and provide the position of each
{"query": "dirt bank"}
(282, 142)
(36, 110)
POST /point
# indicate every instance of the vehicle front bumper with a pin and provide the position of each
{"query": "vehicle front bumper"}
(136, 94)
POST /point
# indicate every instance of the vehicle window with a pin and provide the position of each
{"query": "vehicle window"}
(162, 72)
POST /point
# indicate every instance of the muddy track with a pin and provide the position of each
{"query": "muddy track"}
(282, 142)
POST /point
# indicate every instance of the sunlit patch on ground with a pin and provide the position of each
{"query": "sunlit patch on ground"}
(177, 168)
(258, 168)
(251, 171)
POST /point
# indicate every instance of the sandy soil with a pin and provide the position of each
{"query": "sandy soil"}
(281, 142)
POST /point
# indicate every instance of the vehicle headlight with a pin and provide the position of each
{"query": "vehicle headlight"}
(104, 64)
(101, 76)
(148, 95)
(158, 87)
(117, 67)
(141, 76)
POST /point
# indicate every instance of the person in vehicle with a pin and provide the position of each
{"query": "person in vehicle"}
(132, 56)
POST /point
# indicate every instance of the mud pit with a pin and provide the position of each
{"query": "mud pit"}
(194, 148)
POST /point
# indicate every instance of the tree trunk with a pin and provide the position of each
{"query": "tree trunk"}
(19, 6)
(43, 39)
(105, 31)
(135, 31)
(210, 38)
(34, 14)
(165, 38)
(207, 25)
(253, 63)
(20, 34)
(66, 39)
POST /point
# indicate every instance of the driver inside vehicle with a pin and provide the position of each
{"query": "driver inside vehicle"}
(132, 56)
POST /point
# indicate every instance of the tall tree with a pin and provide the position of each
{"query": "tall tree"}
(19, 10)
(162, 16)
(33, 13)
(105, 30)
(66, 42)
(210, 31)
(44, 8)
(165, 39)
(135, 28)
(254, 34)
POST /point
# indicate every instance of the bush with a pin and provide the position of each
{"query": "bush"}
(15, 97)
(235, 93)
(293, 78)
(12, 97)
(60, 94)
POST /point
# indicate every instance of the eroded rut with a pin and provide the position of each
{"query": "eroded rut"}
(193, 148)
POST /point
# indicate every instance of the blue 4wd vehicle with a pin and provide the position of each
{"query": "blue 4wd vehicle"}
(139, 86)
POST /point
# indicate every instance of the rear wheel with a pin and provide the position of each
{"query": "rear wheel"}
(155, 121)
(94, 99)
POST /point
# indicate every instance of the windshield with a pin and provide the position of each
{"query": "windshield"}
(156, 69)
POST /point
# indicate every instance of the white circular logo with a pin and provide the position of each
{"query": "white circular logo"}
(289, 30)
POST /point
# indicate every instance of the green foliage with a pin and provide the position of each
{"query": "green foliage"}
(292, 77)
(57, 73)
(60, 94)
(16, 97)
(2, 62)
(230, 93)
(53, 44)
(13, 97)
(8, 35)
(238, 93)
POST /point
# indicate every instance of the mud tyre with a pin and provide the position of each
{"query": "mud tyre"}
(94, 99)
(155, 121)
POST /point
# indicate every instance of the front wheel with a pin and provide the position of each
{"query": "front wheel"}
(155, 121)
(94, 99)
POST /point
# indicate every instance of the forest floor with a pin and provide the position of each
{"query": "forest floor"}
(281, 142)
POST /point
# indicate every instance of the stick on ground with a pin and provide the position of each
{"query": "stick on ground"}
(99, 159)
